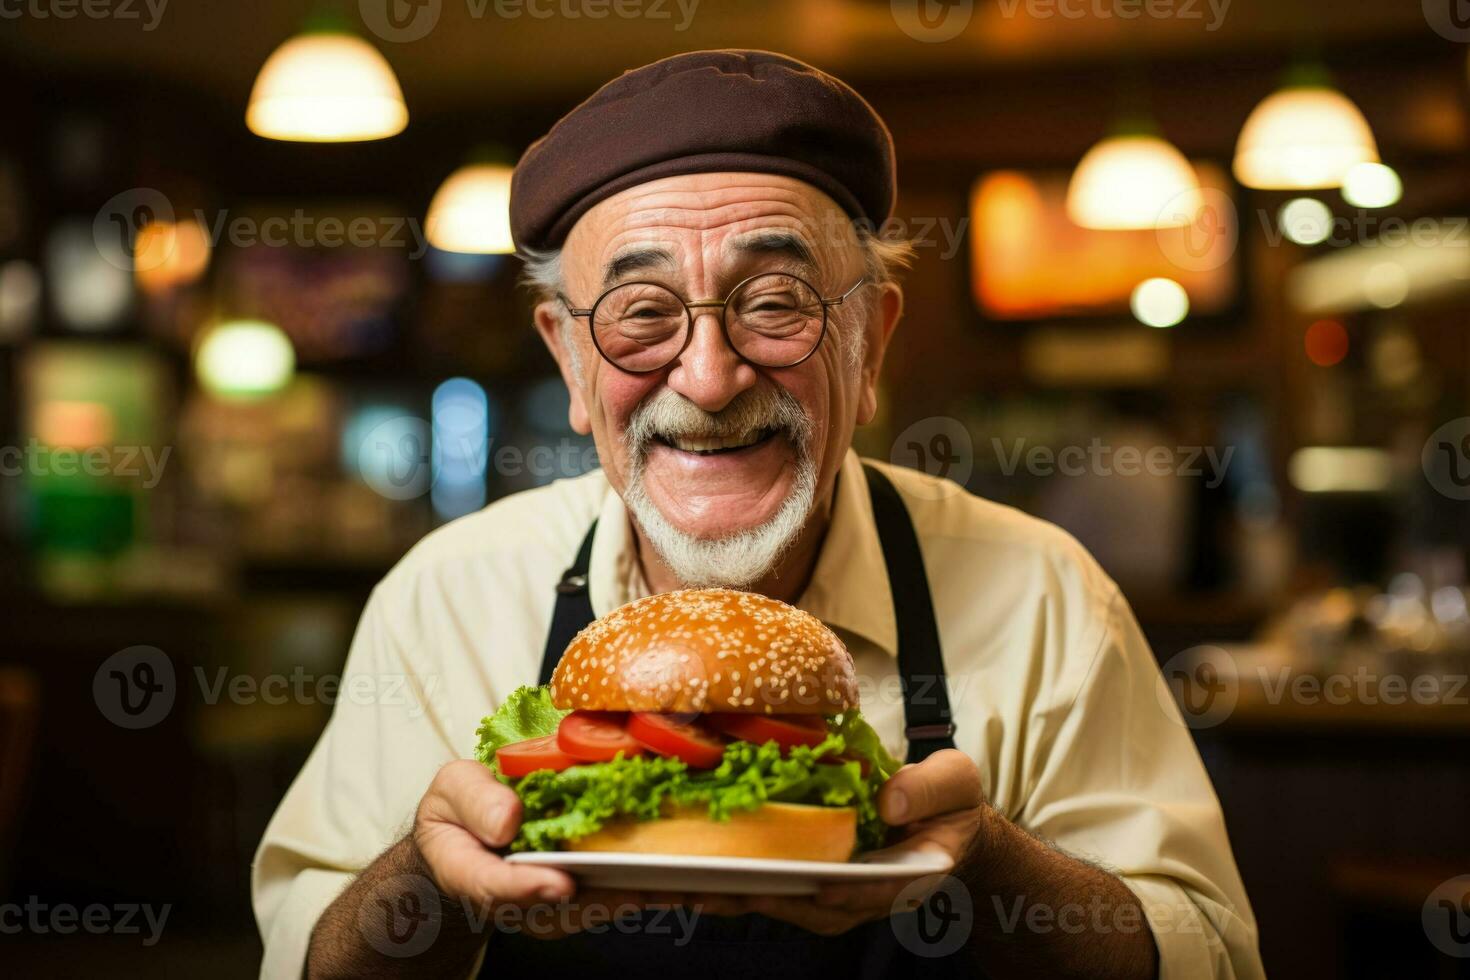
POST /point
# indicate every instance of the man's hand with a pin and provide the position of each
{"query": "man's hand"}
(939, 806)
(466, 812)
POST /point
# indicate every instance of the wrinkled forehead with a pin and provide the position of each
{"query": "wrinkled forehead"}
(710, 227)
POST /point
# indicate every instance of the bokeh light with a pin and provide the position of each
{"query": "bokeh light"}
(245, 359)
(1372, 185)
(1326, 343)
(1159, 302)
(1305, 220)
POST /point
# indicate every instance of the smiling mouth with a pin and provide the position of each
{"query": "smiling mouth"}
(716, 446)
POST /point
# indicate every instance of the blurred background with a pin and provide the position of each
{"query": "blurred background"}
(1193, 282)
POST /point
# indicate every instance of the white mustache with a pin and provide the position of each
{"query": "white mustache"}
(669, 416)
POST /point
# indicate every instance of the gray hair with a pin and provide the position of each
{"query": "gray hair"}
(884, 261)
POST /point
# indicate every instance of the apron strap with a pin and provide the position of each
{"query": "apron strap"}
(928, 724)
(573, 608)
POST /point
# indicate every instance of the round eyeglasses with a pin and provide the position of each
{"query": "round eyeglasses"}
(772, 319)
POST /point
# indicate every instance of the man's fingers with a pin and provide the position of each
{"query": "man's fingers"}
(944, 782)
(468, 794)
(464, 868)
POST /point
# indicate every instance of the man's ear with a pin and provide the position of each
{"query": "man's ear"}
(548, 318)
(882, 319)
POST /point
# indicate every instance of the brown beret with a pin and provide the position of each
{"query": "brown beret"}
(704, 112)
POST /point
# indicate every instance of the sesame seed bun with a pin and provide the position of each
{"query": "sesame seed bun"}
(707, 650)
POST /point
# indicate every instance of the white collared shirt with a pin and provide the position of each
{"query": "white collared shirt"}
(1054, 691)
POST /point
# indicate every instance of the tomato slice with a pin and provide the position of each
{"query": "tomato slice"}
(522, 758)
(668, 735)
(596, 736)
(785, 730)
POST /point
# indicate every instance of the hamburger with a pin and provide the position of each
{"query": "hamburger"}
(699, 722)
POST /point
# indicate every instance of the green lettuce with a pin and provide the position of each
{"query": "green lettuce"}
(562, 806)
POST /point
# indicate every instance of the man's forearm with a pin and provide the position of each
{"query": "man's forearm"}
(1041, 913)
(393, 921)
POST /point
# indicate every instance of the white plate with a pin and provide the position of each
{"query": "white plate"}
(731, 875)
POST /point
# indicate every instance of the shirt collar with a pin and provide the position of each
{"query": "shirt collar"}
(849, 588)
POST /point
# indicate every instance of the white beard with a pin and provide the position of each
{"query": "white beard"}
(745, 557)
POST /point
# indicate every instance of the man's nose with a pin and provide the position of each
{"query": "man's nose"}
(709, 372)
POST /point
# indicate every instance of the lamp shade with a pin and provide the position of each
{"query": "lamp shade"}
(1302, 137)
(471, 211)
(326, 87)
(1131, 182)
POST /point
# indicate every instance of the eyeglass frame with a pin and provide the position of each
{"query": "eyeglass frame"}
(691, 305)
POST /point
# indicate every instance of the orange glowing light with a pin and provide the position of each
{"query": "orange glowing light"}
(74, 424)
(1326, 343)
(169, 254)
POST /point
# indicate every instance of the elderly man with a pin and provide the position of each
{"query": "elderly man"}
(698, 235)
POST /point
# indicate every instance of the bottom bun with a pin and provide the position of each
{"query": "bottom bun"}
(780, 831)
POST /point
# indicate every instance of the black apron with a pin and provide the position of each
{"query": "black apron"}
(753, 946)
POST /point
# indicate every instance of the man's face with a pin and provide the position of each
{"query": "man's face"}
(700, 235)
